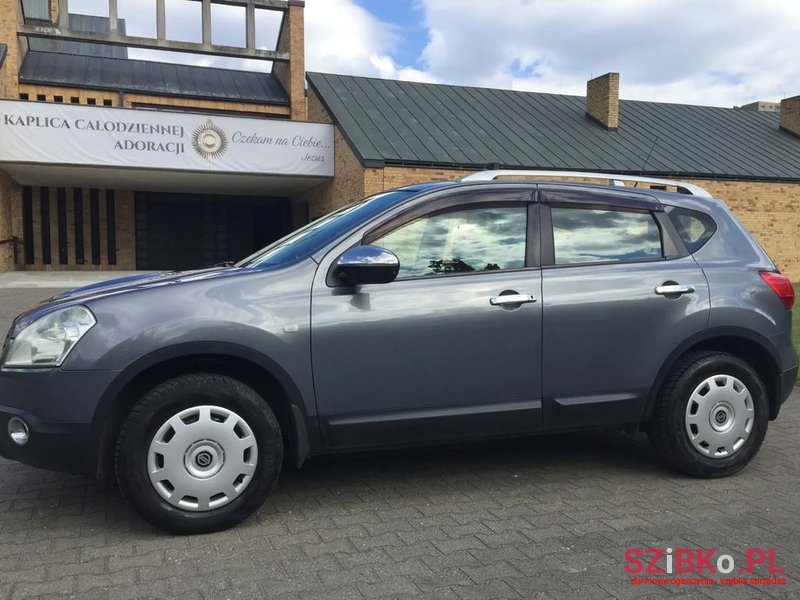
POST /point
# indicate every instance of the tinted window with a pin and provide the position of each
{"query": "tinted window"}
(585, 236)
(458, 241)
(695, 228)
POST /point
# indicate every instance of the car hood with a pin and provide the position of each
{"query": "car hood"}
(88, 294)
(139, 282)
(120, 285)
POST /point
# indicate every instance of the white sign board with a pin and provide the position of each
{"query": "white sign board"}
(63, 134)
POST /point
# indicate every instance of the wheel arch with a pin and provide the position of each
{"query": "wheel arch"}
(751, 347)
(244, 364)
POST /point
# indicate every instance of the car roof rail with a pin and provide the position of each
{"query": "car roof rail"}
(613, 179)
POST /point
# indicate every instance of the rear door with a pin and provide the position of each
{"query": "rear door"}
(619, 295)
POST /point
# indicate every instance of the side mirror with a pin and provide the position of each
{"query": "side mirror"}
(365, 264)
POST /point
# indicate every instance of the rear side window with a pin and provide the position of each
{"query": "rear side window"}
(695, 228)
(585, 236)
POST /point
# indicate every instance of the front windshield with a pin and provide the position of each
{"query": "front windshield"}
(316, 235)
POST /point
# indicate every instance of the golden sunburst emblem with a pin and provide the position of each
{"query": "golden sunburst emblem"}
(209, 140)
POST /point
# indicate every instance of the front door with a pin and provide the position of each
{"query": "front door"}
(451, 348)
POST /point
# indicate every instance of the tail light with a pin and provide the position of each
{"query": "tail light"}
(781, 286)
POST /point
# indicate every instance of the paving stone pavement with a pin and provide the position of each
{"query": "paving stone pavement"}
(548, 517)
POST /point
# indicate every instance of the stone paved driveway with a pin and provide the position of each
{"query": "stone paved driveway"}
(544, 518)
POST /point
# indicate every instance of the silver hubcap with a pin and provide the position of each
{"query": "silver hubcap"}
(719, 416)
(202, 458)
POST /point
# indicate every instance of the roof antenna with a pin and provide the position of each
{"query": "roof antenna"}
(649, 154)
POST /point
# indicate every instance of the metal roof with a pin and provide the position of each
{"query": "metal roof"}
(402, 122)
(103, 73)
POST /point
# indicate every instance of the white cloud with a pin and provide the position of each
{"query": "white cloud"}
(720, 52)
(717, 52)
(342, 37)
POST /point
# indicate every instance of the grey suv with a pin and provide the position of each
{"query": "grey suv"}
(472, 309)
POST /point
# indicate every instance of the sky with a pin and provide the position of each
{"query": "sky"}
(713, 52)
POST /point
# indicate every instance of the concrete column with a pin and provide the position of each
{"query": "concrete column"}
(207, 22)
(250, 25)
(161, 20)
(113, 16)
(63, 14)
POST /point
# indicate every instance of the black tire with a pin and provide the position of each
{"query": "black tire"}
(668, 433)
(165, 401)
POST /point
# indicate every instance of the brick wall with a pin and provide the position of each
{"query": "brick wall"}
(349, 183)
(602, 99)
(49, 93)
(292, 75)
(347, 186)
(62, 95)
(5, 79)
(316, 111)
(790, 115)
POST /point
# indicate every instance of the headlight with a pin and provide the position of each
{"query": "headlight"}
(47, 341)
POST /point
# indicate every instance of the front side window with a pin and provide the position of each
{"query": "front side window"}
(459, 241)
(586, 235)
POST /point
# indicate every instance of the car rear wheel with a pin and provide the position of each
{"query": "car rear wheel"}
(711, 417)
(198, 453)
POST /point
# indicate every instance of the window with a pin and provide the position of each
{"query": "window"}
(586, 236)
(695, 228)
(459, 241)
(307, 240)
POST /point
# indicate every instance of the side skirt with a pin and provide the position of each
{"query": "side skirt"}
(432, 425)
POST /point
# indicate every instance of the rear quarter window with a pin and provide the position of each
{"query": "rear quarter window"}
(695, 228)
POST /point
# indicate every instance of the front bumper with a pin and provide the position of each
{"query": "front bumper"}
(52, 445)
(59, 408)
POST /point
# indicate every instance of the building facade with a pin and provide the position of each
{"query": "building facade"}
(109, 161)
(112, 162)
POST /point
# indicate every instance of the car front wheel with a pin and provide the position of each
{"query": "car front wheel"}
(711, 417)
(198, 453)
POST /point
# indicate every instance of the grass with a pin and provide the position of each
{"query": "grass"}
(796, 321)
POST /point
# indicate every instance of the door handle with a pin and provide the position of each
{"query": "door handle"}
(674, 290)
(506, 299)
